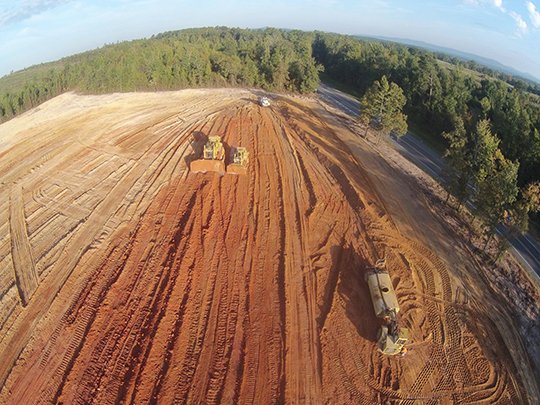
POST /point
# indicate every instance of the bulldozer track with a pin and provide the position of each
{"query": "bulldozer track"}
(21, 251)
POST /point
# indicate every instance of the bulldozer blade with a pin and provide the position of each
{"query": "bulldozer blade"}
(236, 169)
(203, 166)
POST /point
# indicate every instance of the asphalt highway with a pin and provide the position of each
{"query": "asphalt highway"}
(525, 247)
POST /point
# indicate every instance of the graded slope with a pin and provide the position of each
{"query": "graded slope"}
(159, 285)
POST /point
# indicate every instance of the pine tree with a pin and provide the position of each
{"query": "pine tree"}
(459, 170)
(382, 107)
(482, 151)
(528, 203)
(496, 192)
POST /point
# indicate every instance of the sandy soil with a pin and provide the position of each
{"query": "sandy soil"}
(126, 279)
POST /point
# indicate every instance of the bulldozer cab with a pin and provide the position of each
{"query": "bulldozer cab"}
(239, 161)
(213, 149)
(240, 156)
(392, 343)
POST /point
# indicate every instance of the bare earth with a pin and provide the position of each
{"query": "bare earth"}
(144, 283)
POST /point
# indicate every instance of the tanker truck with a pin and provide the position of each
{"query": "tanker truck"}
(391, 339)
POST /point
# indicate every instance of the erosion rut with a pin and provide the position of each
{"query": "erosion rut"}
(152, 284)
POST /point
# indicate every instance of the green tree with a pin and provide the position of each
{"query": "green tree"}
(485, 105)
(496, 192)
(304, 76)
(527, 203)
(269, 58)
(459, 168)
(529, 157)
(382, 106)
(483, 149)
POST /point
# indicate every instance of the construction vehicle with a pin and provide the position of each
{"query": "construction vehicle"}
(264, 101)
(213, 159)
(213, 149)
(391, 338)
(239, 161)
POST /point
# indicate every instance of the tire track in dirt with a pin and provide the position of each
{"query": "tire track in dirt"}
(66, 262)
(165, 149)
(454, 373)
(118, 334)
(299, 284)
(21, 251)
(198, 288)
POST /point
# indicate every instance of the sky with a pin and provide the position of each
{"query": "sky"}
(36, 31)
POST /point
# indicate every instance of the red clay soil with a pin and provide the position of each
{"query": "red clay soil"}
(191, 288)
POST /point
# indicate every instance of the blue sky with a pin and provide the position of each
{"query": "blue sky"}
(35, 31)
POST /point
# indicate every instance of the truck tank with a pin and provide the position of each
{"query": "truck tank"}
(391, 338)
(382, 292)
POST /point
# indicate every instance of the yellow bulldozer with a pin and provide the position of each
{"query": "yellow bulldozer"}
(239, 161)
(391, 338)
(213, 149)
(213, 159)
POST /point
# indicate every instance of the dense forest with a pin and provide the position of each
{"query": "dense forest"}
(438, 96)
(514, 81)
(490, 128)
(445, 101)
(270, 59)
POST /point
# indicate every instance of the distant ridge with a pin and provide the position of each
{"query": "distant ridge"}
(465, 56)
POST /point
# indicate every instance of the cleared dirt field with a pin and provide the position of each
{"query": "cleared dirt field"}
(126, 279)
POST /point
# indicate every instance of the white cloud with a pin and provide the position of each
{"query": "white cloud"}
(534, 14)
(520, 22)
(498, 4)
(26, 8)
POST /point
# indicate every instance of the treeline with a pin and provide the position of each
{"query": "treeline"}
(518, 82)
(270, 59)
(477, 171)
(438, 96)
(490, 128)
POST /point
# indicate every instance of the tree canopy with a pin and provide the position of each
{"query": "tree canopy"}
(439, 94)
(269, 59)
(459, 169)
(497, 191)
(382, 106)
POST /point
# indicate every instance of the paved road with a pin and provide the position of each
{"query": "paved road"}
(525, 248)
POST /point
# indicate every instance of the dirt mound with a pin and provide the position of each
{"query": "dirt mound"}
(149, 283)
